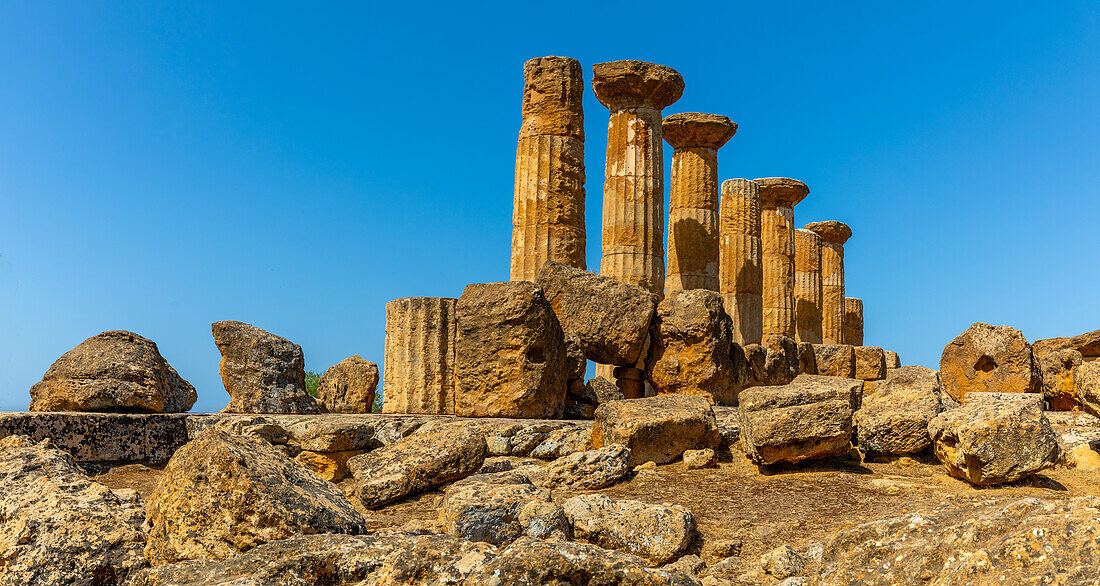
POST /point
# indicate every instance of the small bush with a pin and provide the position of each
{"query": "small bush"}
(313, 379)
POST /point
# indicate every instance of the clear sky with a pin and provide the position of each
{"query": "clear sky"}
(167, 165)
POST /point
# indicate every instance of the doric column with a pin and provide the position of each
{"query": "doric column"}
(548, 208)
(420, 356)
(833, 236)
(740, 265)
(779, 195)
(807, 286)
(633, 193)
(693, 199)
(853, 321)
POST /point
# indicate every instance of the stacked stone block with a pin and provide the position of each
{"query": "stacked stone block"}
(853, 321)
(779, 195)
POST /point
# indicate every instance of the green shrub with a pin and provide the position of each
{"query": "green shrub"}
(313, 379)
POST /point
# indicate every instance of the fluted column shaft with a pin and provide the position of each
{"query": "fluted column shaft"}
(777, 239)
(420, 355)
(807, 286)
(832, 293)
(548, 205)
(693, 220)
(740, 271)
(853, 321)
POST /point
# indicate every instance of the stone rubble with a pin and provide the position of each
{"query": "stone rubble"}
(262, 372)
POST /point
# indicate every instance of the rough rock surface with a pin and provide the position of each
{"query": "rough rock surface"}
(575, 361)
(348, 386)
(1057, 368)
(656, 428)
(424, 460)
(1087, 382)
(807, 358)
(870, 362)
(332, 466)
(995, 438)
(690, 346)
(835, 360)
(985, 358)
(113, 371)
(262, 372)
(604, 390)
(611, 317)
(809, 418)
(59, 527)
(781, 363)
(509, 353)
(593, 469)
(658, 533)
(499, 511)
(222, 494)
(705, 458)
(895, 419)
(892, 359)
(1029, 540)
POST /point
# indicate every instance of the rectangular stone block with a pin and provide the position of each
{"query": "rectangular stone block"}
(870, 362)
(835, 360)
(103, 437)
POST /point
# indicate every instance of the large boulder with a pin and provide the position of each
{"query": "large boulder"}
(809, 418)
(348, 386)
(222, 494)
(1087, 383)
(658, 533)
(895, 419)
(1058, 359)
(113, 371)
(657, 429)
(611, 317)
(262, 372)
(421, 461)
(499, 508)
(593, 469)
(995, 438)
(689, 352)
(509, 353)
(57, 526)
(988, 359)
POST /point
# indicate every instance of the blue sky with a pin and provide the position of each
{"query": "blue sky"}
(292, 166)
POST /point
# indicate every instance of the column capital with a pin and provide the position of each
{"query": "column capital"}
(630, 83)
(781, 191)
(695, 129)
(831, 231)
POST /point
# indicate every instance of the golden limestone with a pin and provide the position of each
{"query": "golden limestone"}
(853, 321)
(807, 286)
(779, 195)
(740, 271)
(693, 199)
(633, 197)
(548, 211)
(419, 374)
(833, 236)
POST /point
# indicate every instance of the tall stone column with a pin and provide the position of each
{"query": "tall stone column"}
(779, 195)
(740, 264)
(693, 199)
(633, 193)
(833, 236)
(807, 286)
(548, 208)
(419, 362)
(853, 321)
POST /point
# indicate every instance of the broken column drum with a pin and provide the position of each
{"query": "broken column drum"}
(807, 286)
(548, 209)
(633, 202)
(778, 196)
(420, 356)
(693, 199)
(853, 321)
(833, 236)
(740, 267)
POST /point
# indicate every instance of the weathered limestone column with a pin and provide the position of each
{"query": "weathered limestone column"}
(633, 193)
(740, 266)
(779, 195)
(807, 286)
(693, 198)
(833, 236)
(420, 356)
(548, 209)
(853, 321)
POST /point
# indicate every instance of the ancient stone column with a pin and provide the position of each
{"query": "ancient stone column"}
(740, 268)
(807, 286)
(853, 321)
(779, 195)
(633, 194)
(548, 209)
(693, 199)
(420, 356)
(833, 236)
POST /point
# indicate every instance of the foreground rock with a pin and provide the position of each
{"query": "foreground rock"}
(593, 470)
(809, 418)
(348, 386)
(690, 346)
(59, 527)
(262, 372)
(995, 438)
(113, 371)
(658, 533)
(499, 508)
(985, 358)
(657, 429)
(1028, 541)
(895, 419)
(509, 353)
(223, 494)
(424, 460)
